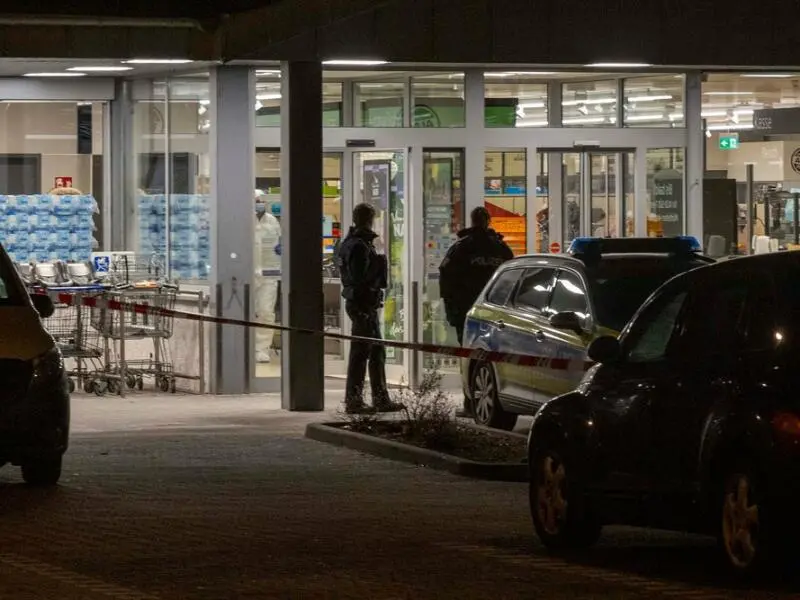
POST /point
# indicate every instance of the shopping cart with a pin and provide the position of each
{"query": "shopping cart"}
(80, 345)
(116, 327)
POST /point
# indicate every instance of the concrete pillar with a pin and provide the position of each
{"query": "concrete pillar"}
(303, 378)
(232, 151)
(695, 155)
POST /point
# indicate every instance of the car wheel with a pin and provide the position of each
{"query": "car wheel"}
(42, 471)
(486, 409)
(742, 533)
(558, 509)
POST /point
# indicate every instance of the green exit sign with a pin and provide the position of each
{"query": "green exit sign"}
(729, 142)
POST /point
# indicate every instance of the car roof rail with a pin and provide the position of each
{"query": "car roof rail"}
(594, 248)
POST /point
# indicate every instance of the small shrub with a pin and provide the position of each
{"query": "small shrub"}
(427, 414)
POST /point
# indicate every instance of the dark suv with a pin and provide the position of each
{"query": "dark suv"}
(689, 421)
(34, 394)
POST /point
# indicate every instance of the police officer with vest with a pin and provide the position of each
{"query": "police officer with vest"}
(468, 266)
(364, 277)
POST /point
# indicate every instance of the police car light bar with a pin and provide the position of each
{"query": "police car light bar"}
(684, 244)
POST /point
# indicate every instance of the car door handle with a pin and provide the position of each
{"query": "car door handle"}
(501, 324)
(539, 335)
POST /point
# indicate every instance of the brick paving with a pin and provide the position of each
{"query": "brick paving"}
(178, 497)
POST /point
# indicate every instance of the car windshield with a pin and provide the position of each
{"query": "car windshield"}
(620, 285)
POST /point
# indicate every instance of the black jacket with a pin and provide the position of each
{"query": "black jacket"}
(363, 270)
(468, 267)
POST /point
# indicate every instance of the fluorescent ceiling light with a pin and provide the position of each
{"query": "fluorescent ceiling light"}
(268, 72)
(531, 105)
(354, 63)
(608, 100)
(768, 75)
(157, 61)
(621, 65)
(729, 127)
(268, 97)
(516, 73)
(99, 69)
(731, 93)
(658, 117)
(531, 123)
(61, 74)
(714, 113)
(649, 98)
(587, 120)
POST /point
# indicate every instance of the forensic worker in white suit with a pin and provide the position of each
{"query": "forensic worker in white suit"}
(267, 275)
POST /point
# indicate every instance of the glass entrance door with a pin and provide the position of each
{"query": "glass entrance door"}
(379, 179)
(593, 195)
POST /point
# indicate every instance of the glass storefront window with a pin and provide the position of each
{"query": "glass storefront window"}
(654, 101)
(515, 104)
(505, 195)
(752, 118)
(730, 100)
(379, 104)
(170, 201)
(268, 102)
(443, 209)
(438, 100)
(267, 289)
(51, 179)
(589, 103)
(665, 192)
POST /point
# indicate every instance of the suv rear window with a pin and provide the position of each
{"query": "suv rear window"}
(620, 285)
(12, 292)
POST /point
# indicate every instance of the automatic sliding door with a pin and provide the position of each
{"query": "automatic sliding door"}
(379, 180)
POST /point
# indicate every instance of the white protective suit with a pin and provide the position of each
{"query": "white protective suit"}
(267, 239)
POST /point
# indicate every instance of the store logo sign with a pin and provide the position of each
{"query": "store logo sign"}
(424, 116)
(795, 160)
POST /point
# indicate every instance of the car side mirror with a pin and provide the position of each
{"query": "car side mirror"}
(43, 305)
(568, 321)
(604, 350)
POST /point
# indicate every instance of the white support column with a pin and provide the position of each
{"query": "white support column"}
(474, 152)
(532, 172)
(303, 378)
(232, 153)
(641, 205)
(695, 156)
(555, 203)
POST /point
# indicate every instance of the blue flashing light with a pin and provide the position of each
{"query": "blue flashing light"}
(593, 246)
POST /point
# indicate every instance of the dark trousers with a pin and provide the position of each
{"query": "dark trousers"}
(460, 332)
(365, 324)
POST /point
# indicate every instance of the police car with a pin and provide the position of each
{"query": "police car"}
(553, 306)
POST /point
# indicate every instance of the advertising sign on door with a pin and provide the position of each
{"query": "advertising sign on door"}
(377, 179)
(63, 182)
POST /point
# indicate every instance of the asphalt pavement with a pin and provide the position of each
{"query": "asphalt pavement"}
(177, 497)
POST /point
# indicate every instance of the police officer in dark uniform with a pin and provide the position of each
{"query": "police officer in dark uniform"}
(364, 277)
(468, 267)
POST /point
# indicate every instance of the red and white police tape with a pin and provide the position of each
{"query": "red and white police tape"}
(100, 302)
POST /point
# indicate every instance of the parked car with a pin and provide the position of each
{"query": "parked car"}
(690, 420)
(34, 395)
(555, 305)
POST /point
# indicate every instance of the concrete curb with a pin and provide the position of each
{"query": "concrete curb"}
(331, 433)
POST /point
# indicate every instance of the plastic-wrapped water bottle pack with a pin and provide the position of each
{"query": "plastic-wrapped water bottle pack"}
(47, 228)
(189, 232)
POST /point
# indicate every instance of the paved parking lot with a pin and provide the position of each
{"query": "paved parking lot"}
(180, 497)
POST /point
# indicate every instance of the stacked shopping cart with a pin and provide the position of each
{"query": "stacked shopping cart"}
(94, 337)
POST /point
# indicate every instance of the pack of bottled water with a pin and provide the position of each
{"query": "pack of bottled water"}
(185, 219)
(45, 228)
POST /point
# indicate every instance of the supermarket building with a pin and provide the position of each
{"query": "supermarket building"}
(562, 119)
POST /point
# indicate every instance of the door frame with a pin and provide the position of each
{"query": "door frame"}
(556, 217)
